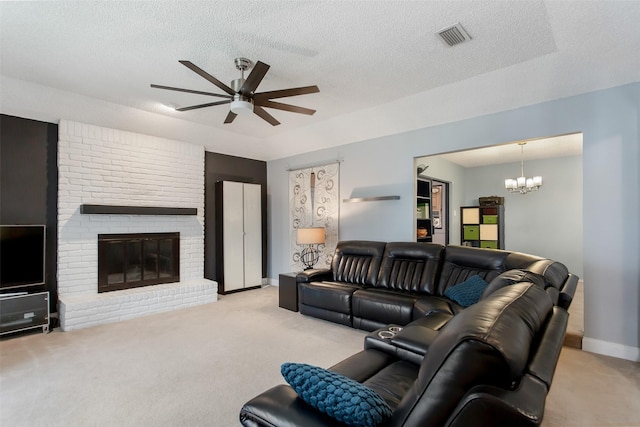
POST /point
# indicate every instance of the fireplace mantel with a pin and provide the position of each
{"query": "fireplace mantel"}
(135, 210)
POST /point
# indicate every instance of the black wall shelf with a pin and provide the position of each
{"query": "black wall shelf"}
(135, 210)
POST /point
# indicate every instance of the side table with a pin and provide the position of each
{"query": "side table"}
(288, 291)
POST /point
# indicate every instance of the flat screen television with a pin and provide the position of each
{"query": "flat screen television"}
(22, 255)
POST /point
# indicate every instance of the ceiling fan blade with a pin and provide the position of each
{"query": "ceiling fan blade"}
(207, 76)
(286, 92)
(255, 77)
(210, 104)
(230, 117)
(198, 92)
(266, 116)
(285, 107)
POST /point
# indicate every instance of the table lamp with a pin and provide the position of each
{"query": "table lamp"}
(311, 237)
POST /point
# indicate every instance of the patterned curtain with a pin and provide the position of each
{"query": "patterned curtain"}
(314, 201)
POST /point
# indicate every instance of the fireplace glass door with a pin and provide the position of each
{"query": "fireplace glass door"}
(133, 260)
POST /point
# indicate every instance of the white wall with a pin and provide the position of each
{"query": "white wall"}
(609, 122)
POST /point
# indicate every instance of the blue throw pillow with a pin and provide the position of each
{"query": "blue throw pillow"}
(339, 397)
(468, 292)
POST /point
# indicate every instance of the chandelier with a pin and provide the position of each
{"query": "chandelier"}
(522, 184)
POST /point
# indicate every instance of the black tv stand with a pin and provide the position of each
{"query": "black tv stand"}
(20, 311)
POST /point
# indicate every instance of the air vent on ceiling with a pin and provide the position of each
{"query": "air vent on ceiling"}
(454, 35)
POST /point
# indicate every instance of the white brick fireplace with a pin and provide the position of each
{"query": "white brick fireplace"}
(101, 166)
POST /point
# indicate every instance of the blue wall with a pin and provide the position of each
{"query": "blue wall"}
(547, 222)
(611, 250)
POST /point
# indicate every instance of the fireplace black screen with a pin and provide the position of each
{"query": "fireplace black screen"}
(133, 260)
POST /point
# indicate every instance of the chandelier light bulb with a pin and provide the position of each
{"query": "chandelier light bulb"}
(522, 184)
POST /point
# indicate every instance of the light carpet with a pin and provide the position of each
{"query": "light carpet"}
(197, 367)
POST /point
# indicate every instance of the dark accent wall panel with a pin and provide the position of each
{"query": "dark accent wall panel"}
(24, 171)
(29, 183)
(221, 167)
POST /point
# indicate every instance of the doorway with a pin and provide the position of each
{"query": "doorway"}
(432, 209)
(440, 211)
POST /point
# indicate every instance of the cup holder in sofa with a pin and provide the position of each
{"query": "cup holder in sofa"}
(384, 339)
(389, 332)
(410, 342)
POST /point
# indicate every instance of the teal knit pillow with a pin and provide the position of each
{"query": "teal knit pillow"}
(468, 292)
(342, 398)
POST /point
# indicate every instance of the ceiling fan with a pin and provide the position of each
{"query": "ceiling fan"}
(241, 95)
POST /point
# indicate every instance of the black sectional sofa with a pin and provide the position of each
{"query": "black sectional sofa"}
(433, 361)
(373, 284)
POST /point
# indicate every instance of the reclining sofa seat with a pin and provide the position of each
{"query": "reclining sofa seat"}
(492, 364)
(407, 271)
(326, 294)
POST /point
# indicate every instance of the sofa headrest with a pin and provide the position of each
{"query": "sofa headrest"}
(554, 273)
(413, 250)
(511, 277)
(410, 266)
(361, 247)
(520, 260)
(357, 261)
(462, 262)
(488, 343)
(485, 259)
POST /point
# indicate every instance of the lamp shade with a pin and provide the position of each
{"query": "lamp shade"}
(310, 236)
(510, 184)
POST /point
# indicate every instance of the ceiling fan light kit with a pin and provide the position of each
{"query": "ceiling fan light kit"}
(241, 94)
(241, 105)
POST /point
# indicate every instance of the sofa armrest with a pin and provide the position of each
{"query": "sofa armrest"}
(363, 365)
(314, 275)
(568, 291)
(280, 406)
(522, 407)
(544, 357)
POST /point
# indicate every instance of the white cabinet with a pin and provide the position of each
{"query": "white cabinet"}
(239, 246)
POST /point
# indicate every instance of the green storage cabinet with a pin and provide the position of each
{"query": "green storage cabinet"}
(482, 226)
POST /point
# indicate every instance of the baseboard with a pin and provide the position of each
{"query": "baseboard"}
(273, 282)
(607, 348)
(573, 339)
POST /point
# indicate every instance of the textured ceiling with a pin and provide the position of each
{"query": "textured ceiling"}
(380, 67)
